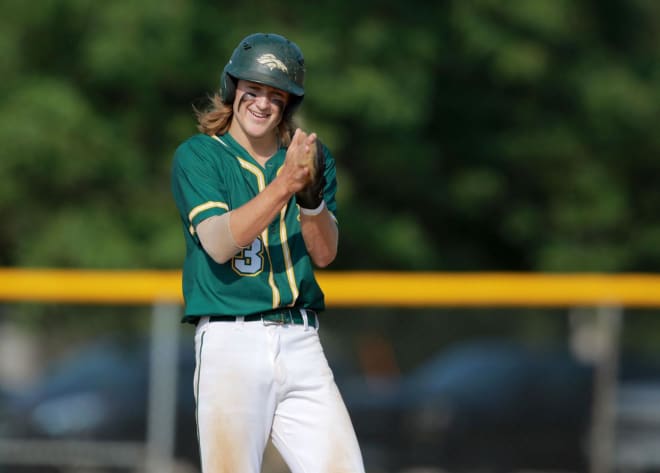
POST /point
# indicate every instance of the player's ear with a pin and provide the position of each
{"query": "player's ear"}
(227, 88)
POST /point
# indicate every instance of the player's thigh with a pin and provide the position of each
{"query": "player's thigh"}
(312, 429)
(235, 398)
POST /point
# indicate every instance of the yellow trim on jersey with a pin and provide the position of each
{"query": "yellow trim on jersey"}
(201, 208)
(261, 183)
(220, 141)
(261, 180)
(290, 274)
(288, 262)
(271, 273)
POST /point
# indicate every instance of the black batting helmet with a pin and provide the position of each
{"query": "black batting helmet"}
(268, 59)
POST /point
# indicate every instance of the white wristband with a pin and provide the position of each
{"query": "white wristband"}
(313, 212)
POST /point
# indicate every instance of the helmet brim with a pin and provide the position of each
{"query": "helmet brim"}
(267, 79)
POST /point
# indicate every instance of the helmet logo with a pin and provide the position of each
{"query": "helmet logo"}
(271, 62)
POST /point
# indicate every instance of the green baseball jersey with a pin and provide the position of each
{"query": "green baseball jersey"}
(212, 175)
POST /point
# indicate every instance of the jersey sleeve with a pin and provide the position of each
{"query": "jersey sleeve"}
(330, 190)
(197, 183)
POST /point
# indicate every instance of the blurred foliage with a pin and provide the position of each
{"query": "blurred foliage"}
(478, 135)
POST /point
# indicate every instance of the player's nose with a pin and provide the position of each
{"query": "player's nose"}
(262, 101)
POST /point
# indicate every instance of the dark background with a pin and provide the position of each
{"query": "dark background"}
(483, 135)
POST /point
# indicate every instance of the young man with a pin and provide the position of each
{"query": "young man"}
(257, 202)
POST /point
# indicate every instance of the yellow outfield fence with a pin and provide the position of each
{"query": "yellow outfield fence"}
(351, 288)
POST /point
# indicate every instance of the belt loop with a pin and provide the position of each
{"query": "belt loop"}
(240, 319)
(303, 312)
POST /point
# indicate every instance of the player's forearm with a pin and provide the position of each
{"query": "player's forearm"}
(249, 220)
(321, 237)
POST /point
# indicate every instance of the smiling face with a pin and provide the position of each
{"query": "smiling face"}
(258, 109)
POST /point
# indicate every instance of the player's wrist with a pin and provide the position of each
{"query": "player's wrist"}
(281, 191)
(313, 212)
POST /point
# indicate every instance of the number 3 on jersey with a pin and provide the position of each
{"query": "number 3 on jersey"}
(250, 261)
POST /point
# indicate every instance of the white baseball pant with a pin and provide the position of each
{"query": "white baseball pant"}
(254, 381)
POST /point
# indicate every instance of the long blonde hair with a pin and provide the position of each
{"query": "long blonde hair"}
(216, 118)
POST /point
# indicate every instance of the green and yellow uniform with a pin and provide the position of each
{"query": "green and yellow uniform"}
(212, 175)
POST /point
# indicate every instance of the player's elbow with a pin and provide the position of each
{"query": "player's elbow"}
(216, 238)
(322, 251)
(322, 263)
(219, 251)
(322, 259)
(219, 257)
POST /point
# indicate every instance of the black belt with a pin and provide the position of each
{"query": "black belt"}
(274, 317)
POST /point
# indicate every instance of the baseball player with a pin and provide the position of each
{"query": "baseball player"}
(256, 198)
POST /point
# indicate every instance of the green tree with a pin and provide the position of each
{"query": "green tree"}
(469, 135)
